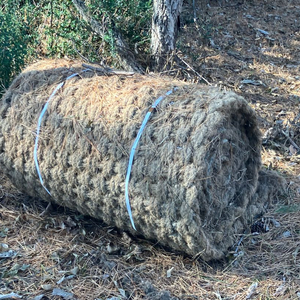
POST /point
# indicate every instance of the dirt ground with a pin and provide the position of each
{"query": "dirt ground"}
(250, 47)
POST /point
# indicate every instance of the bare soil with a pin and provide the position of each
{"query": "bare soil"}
(251, 47)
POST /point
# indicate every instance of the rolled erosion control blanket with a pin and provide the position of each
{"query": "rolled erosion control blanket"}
(195, 168)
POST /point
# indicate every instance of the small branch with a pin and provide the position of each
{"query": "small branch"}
(127, 59)
(190, 67)
(46, 211)
(83, 57)
(108, 71)
(291, 141)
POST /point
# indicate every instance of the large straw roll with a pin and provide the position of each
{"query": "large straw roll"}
(195, 169)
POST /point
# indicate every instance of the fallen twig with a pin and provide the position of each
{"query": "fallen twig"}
(291, 141)
(77, 51)
(108, 71)
(46, 211)
(189, 66)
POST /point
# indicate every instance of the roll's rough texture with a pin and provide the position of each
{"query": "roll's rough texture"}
(195, 172)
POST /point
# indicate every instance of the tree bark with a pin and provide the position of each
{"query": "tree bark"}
(165, 22)
(126, 57)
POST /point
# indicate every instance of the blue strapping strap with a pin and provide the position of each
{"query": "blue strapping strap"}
(132, 152)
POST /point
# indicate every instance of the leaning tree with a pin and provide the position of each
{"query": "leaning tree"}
(165, 21)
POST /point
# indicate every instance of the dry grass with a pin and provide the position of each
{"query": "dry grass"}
(97, 262)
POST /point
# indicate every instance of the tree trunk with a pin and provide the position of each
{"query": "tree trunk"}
(165, 23)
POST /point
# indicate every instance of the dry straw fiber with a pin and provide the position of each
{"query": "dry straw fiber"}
(196, 167)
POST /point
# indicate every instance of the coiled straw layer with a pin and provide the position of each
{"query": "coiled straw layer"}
(195, 174)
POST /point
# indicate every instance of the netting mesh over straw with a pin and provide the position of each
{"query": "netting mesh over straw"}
(196, 168)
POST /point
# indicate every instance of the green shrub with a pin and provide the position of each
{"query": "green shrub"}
(32, 29)
(62, 32)
(13, 43)
(133, 18)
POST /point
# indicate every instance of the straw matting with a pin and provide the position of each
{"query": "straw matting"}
(195, 178)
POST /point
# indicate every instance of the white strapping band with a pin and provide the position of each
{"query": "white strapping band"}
(36, 143)
(132, 152)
